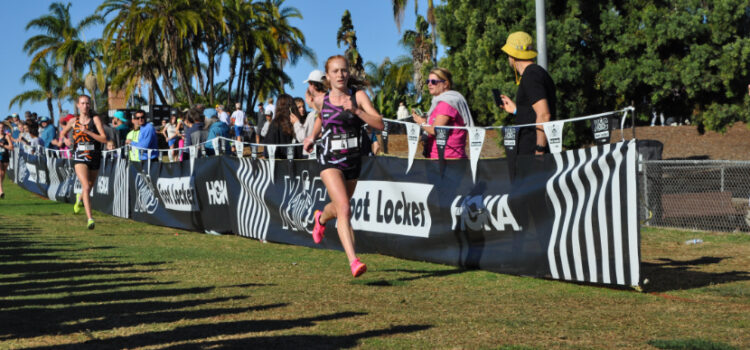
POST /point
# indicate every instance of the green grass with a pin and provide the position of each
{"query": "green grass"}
(131, 285)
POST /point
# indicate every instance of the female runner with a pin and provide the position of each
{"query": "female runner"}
(88, 136)
(344, 110)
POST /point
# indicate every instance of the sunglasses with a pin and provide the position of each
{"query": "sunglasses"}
(138, 118)
(434, 81)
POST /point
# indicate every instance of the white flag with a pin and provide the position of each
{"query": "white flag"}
(240, 148)
(553, 131)
(412, 136)
(193, 155)
(271, 149)
(476, 140)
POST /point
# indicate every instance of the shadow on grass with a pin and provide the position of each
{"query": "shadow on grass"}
(418, 274)
(192, 336)
(45, 291)
(669, 274)
(304, 341)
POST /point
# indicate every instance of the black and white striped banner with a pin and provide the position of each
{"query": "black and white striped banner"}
(595, 235)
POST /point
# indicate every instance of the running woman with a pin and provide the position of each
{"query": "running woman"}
(344, 110)
(88, 136)
(6, 146)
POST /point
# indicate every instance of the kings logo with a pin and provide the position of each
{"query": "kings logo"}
(301, 193)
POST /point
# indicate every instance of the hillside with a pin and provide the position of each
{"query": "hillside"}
(679, 142)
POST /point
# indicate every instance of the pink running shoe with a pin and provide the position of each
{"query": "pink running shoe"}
(358, 268)
(319, 229)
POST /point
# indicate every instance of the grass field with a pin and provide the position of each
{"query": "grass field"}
(131, 285)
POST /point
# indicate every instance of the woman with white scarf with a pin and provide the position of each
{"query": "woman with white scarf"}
(449, 108)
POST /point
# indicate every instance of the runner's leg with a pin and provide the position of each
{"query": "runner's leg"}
(338, 191)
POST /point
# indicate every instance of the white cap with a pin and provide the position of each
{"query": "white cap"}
(315, 75)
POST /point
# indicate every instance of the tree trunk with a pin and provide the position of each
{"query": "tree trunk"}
(210, 75)
(197, 69)
(51, 110)
(155, 86)
(167, 81)
(241, 87)
(182, 78)
(232, 69)
(240, 81)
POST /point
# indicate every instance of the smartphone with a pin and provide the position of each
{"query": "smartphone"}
(497, 97)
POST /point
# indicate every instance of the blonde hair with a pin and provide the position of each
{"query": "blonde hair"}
(444, 74)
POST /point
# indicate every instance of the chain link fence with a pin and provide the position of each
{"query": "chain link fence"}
(695, 194)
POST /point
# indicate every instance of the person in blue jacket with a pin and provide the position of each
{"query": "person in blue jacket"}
(216, 129)
(48, 132)
(146, 138)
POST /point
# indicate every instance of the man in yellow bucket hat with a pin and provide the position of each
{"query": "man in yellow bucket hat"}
(536, 97)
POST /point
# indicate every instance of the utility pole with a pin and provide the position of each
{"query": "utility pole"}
(541, 35)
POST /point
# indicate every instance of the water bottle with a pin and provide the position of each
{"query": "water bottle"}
(694, 241)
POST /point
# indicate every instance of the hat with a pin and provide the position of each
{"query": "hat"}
(44, 119)
(519, 45)
(68, 118)
(14, 115)
(209, 112)
(269, 112)
(316, 76)
(121, 115)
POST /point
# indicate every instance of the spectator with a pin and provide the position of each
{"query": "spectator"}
(48, 132)
(120, 122)
(238, 120)
(143, 138)
(6, 145)
(536, 97)
(64, 141)
(171, 135)
(193, 133)
(260, 115)
(31, 138)
(303, 126)
(402, 113)
(449, 108)
(223, 115)
(216, 128)
(281, 130)
(270, 107)
(264, 128)
(15, 131)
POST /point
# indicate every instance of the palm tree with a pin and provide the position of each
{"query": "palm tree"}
(61, 40)
(389, 82)
(347, 35)
(399, 6)
(48, 82)
(290, 40)
(130, 60)
(420, 45)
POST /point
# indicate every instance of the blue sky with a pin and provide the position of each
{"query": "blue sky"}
(377, 38)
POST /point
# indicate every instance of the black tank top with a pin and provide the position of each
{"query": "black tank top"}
(341, 133)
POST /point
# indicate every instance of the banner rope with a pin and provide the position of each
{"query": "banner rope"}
(627, 111)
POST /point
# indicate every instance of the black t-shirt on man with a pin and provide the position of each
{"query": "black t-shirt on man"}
(536, 84)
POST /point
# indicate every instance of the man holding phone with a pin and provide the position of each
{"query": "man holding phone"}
(536, 96)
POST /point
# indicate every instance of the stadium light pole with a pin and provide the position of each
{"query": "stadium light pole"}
(541, 35)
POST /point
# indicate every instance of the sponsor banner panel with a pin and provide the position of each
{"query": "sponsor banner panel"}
(164, 194)
(570, 215)
(213, 180)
